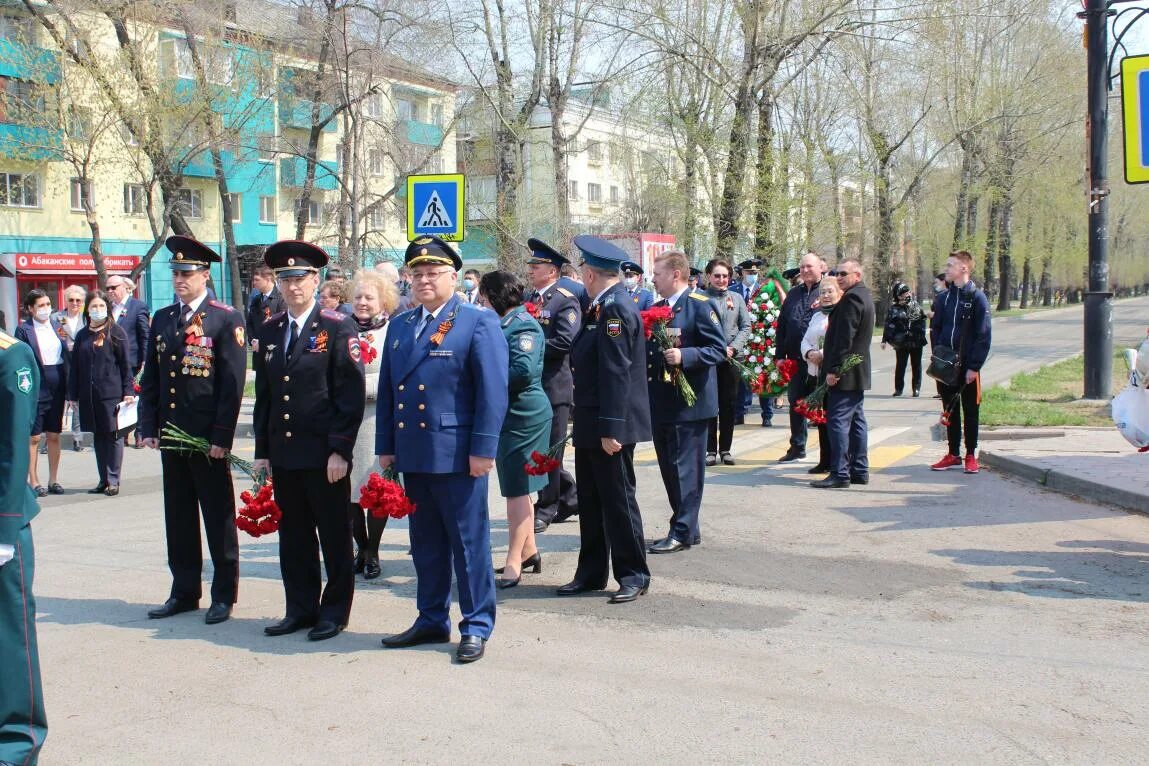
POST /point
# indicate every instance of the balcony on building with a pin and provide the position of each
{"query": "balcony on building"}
(30, 142)
(294, 108)
(20, 60)
(421, 133)
(200, 165)
(293, 173)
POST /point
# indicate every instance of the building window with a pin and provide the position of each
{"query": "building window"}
(573, 194)
(264, 79)
(18, 29)
(437, 114)
(594, 193)
(81, 192)
(406, 109)
(236, 208)
(614, 195)
(135, 200)
(19, 190)
(267, 211)
(373, 105)
(21, 101)
(375, 217)
(128, 136)
(79, 123)
(594, 151)
(190, 202)
(175, 59)
(375, 162)
(314, 214)
(266, 145)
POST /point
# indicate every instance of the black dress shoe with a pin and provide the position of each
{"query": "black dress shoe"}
(171, 607)
(628, 593)
(416, 635)
(767, 423)
(727, 459)
(360, 561)
(831, 482)
(859, 479)
(917, 393)
(471, 648)
(371, 568)
(290, 625)
(667, 545)
(324, 629)
(897, 393)
(792, 455)
(820, 468)
(541, 526)
(98, 489)
(503, 583)
(112, 491)
(216, 613)
(575, 587)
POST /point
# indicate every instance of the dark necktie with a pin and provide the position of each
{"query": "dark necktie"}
(424, 324)
(663, 302)
(292, 339)
(185, 316)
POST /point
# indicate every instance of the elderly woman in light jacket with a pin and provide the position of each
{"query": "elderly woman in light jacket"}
(736, 326)
(373, 300)
(829, 293)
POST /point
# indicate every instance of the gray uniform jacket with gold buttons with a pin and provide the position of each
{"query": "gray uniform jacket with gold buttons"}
(308, 405)
(194, 378)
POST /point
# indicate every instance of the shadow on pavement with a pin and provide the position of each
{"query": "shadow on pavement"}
(1117, 572)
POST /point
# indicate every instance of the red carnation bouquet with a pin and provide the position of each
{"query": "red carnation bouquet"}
(383, 496)
(260, 514)
(541, 464)
(654, 322)
(136, 380)
(813, 407)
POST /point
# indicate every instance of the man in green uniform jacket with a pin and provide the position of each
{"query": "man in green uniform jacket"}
(23, 724)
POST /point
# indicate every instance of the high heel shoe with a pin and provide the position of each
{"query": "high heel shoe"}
(534, 563)
(504, 584)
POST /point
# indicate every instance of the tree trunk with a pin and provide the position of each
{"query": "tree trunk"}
(96, 245)
(231, 253)
(562, 222)
(690, 194)
(780, 201)
(764, 195)
(961, 234)
(883, 271)
(726, 227)
(809, 194)
(1004, 246)
(991, 249)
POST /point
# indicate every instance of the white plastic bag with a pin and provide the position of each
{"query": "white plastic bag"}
(1131, 414)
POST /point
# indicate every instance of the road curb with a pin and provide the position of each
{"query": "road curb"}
(1066, 483)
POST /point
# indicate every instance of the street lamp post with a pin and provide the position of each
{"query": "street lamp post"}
(1098, 330)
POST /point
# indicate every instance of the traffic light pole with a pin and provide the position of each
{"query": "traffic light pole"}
(1098, 330)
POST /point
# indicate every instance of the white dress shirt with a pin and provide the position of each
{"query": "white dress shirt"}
(51, 347)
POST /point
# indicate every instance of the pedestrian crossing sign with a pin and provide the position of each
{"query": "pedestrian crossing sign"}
(435, 205)
(1135, 111)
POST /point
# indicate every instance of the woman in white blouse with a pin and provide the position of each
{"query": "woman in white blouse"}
(829, 293)
(373, 298)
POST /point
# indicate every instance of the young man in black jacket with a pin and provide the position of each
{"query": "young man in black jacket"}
(961, 321)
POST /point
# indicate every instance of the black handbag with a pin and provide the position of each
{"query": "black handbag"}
(945, 366)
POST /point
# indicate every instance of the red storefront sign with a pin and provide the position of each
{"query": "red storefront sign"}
(72, 263)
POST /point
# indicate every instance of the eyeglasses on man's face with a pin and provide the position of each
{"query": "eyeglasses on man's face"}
(428, 276)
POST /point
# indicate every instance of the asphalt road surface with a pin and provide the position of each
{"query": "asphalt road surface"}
(924, 618)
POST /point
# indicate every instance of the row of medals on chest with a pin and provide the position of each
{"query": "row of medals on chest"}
(198, 354)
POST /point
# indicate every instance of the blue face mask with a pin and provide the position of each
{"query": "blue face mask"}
(468, 285)
(97, 316)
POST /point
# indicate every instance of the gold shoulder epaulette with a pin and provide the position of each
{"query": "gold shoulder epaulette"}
(6, 340)
(566, 292)
(699, 296)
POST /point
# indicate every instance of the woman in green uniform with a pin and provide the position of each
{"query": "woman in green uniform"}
(527, 425)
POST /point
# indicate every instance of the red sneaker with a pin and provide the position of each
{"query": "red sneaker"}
(949, 461)
(971, 464)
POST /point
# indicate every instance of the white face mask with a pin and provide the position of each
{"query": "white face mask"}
(42, 315)
(631, 282)
(749, 280)
(98, 315)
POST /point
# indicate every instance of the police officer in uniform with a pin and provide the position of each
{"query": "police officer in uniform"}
(611, 415)
(23, 724)
(442, 402)
(680, 429)
(632, 279)
(561, 317)
(310, 392)
(193, 378)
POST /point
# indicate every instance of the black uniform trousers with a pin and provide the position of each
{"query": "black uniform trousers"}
(310, 503)
(967, 403)
(797, 389)
(195, 483)
(914, 357)
(680, 448)
(109, 449)
(721, 431)
(610, 524)
(558, 500)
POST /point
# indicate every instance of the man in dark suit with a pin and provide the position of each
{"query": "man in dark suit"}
(265, 302)
(131, 314)
(309, 397)
(680, 429)
(612, 414)
(561, 317)
(194, 372)
(793, 319)
(849, 332)
(442, 400)
(23, 724)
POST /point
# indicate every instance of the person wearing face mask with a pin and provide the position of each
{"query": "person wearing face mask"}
(470, 291)
(49, 340)
(905, 330)
(736, 328)
(632, 280)
(100, 380)
(829, 293)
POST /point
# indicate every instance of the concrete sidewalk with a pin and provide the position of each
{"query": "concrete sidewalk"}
(1096, 464)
